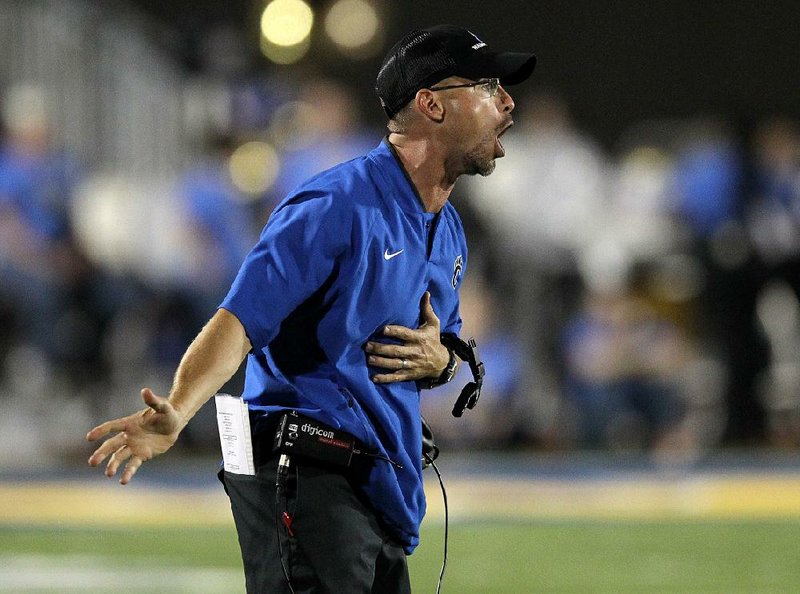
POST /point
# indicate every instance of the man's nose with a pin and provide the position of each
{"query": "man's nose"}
(506, 102)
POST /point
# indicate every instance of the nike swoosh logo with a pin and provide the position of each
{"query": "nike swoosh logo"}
(388, 256)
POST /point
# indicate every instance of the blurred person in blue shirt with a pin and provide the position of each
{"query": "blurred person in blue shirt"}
(219, 225)
(708, 186)
(621, 361)
(773, 226)
(45, 278)
(322, 129)
(774, 211)
(707, 178)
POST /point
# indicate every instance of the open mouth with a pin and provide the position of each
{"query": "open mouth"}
(500, 151)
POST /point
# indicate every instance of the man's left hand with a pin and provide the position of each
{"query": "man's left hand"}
(420, 356)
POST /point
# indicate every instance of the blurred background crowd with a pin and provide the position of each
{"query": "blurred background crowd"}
(634, 264)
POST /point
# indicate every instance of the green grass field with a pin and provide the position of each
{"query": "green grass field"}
(485, 557)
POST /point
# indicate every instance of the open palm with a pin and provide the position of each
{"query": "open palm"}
(139, 437)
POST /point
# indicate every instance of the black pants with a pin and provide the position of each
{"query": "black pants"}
(331, 539)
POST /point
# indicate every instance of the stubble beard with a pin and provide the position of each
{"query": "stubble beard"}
(476, 162)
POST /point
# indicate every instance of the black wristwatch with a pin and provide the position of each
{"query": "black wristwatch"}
(447, 375)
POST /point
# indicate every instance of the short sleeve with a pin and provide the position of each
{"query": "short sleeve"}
(297, 251)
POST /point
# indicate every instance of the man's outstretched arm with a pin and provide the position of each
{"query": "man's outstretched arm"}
(210, 361)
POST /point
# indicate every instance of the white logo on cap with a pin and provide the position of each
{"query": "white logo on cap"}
(478, 45)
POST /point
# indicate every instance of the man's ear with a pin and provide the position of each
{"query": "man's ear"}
(429, 105)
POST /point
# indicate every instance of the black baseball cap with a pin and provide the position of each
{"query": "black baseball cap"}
(425, 56)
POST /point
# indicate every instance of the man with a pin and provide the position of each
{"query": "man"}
(335, 311)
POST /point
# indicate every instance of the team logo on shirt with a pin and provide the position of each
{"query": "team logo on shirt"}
(458, 266)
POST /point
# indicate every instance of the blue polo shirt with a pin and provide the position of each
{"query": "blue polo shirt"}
(345, 254)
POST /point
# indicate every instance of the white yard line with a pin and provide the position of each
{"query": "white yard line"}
(89, 573)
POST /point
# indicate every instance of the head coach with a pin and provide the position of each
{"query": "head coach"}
(339, 309)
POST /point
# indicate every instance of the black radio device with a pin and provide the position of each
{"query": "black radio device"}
(301, 436)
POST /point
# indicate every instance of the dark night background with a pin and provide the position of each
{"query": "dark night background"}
(615, 62)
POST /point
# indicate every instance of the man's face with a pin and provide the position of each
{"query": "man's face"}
(477, 119)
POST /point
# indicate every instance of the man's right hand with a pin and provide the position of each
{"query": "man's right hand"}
(139, 437)
(210, 361)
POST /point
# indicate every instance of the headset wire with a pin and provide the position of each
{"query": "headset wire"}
(280, 483)
(430, 461)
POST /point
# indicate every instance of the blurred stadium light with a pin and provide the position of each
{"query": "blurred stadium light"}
(253, 167)
(355, 27)
(286, 30)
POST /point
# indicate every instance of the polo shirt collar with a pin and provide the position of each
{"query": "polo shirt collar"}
(395, 175)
